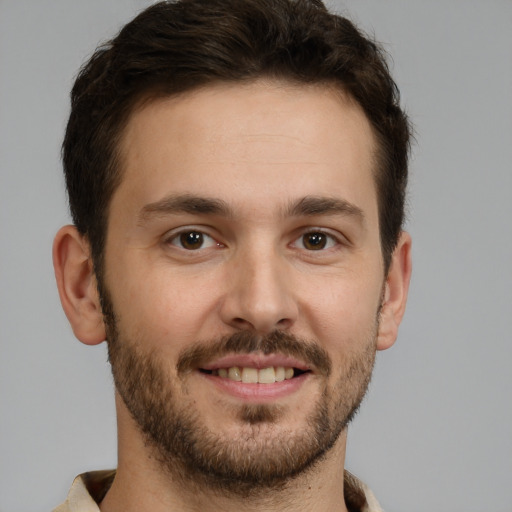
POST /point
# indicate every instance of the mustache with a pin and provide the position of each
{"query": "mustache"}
(246, 342)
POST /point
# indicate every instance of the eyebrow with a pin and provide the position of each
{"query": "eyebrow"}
(315, 205)
(308, 206)
(185, 203)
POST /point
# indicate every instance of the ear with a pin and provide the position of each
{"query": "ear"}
(395, 292)
(76, 282)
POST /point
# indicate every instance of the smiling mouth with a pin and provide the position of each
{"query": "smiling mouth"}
(250, 375)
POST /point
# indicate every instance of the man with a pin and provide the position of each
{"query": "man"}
(236, 173)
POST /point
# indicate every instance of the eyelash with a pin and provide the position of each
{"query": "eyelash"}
(331, 241)
(324, 239)
(178, 238)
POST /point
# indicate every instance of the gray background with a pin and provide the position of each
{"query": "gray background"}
(435, 432)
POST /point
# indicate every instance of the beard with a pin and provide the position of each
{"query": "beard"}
(262, 455)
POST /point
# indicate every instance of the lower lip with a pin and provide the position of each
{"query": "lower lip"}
(257, 393)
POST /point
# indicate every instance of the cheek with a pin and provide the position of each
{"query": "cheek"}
(344, 311)
(161, 308)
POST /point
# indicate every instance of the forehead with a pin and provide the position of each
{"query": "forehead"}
(263, 138)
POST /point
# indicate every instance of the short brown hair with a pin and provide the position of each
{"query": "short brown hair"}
(173, 47)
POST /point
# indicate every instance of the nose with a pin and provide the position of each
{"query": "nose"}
(259, 294)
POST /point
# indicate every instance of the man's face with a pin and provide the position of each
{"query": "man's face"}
(243, 243)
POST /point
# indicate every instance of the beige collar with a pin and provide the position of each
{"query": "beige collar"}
(89, 489)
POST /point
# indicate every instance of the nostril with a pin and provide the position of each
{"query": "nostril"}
(284, 322)
(241, 323)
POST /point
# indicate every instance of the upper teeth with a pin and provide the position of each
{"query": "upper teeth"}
(254, 375)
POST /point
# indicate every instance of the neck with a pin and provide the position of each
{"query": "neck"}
(143, 484)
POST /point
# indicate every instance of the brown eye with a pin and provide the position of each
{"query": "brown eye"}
(192, 240)
(315, 241)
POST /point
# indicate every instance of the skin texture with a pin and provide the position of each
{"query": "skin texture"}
(253, 160)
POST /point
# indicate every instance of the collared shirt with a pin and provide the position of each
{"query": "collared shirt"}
(89, 489)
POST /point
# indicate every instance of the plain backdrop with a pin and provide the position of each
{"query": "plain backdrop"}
(435, 432)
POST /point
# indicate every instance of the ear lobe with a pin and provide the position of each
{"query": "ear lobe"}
(395, 292)
(76, 283)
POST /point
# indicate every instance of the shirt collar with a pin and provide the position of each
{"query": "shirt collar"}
(90, 488)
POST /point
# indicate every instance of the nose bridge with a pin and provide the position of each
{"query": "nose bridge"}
(260, 294)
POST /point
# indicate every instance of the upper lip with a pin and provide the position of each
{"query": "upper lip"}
(255, 360)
